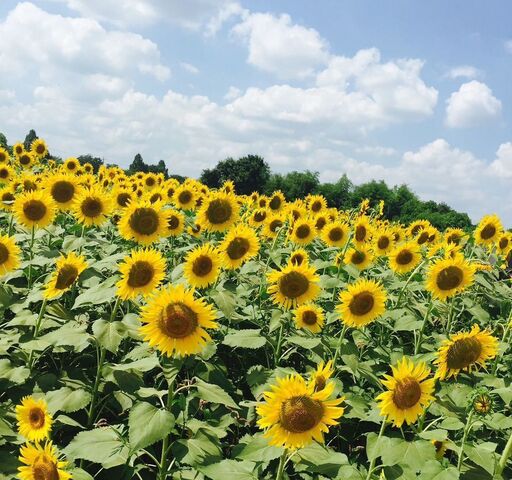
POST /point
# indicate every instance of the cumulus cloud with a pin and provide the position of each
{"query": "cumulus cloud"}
(502, 165)
(471, 105)
(464, 71)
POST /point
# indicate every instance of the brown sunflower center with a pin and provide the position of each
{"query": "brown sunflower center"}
(275, 203)
(335, 234)
(155, 197)
(45, 470)
(150, 182)
(320, 223)
(185, 197)
(316, 206)
(449, 278)
(40, 149)
(303, 231)
(422, 238)
(18, 149)
(62, 191)
(219, 211)
(71, 165)
(309, 317)
(453, 238)
(416, 229)
(238, 248)
(92, 207)
(3, 157)
(358, 257)
(361, 303)
(66, 276)
(383, 243)
(463, 352)
(488, 231)
(320, 383)
(34, 210)
(144, 221)
(7, 197)
(4, 254)
(404, 257)
(407, 393)
(141, 273)
(25, 159)
(275, 225)
(36, 417)
(123, 199)
(202, 266)
(360, 233)
(503, 243)
(300, 414)
(173, 222)
(178, 320)
(297, 259)
(293, 284)
(4, 173)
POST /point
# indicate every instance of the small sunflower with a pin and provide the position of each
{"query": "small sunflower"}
(360, 257)
(7, 197)
(363, 230)
(202, 266)
(143, 222)
(239, 245)
(6, 173)
(184, 197)
(34, 421)
(293, 415)
(383, 242)
(122, 197)
(293, 285)
(42, 463)
(9, 254)
(488, 230)
(335, 234)
(175, 322)
(464, 351)
(298, 257)
(273, 224)
(303, 232)
(62, 188)
(71, 165)
(320, 377)
(27, 160)
(416, 226)
(405, 258)
(142, 272)
(175, 222)
(362, 303)
(68, 269)
(39, 148)
(449, 276)
(4, 155)
(409, 392)
(195, 230)
(504, 243)
(454, 235)
(34, 209)
(92, 206)
(219, 212)
(276, 201)
(18, 148)
(258, 217)
(316, 203)
(309, 316)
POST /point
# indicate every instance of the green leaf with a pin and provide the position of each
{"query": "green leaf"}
(201, 449)
(250, 338)
(225, 301)
(148, 424)
(96, 295)
(67, 400)
(321, 459)
(214, 394)
(258, 450)
(109, 334)
(483, 455)
(13, 374)
(304, 342)
(230, 468)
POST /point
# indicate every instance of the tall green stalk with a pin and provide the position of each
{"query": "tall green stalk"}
(371, 468)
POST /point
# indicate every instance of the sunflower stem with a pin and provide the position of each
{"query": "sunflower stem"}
(417, 344)
(90, 414)
(397, 304)
(450, 317)
(36, 331)
(338, 347)
(503, 339)
(504, 456)
(114, 310)
(31, 257)
(374, 459)
(162, 471)
(280, 468)
(11, 220)
(467, 428)
(279, 345)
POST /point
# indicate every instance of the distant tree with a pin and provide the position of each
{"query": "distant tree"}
(3, 141)
(159, 168)
(96, 162)
(138, 165)
(31, 136)
(180, 178)
(294, 185)
(337, 194)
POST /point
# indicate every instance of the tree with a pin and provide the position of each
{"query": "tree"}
(3, 141)
(337, 194)
(31, 136)
(137, 165)
(96, 162)
(294, 185)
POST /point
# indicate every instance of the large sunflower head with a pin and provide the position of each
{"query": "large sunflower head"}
(293, 414)
(449, 276)
(175, 222)
(276, 201)
(142, 273)
(303, 231)
(408, 394)
(42, 463)
(362, 303)
(360, 257)
(63, 189)
(34, 421)
(293, 285)
(465, 351)
(39, 148)
(175, 322)
(92, 206)
(68, 269)
(239, 245)
(9, 254)
(488, 230)
(143, 222)
(185, 197)
(219, 211)
(310, 317)
(335, 234)
(34, 209)
(202, 266)
(405, 258)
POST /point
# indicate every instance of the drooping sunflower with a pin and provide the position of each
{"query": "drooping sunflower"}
(298, 257)
(42, 463)
(293, 285)
(39, 148)
(320, 377)
(202, 266)
(67, 271)
(293, 415)
(360, 257)
(239, 245)
(303, 231)
(92, 206)
(465, 351)
(142, 272)
(405, 257)
(449, 276)
(175, 222)
(488, 230)
(9, 255)
(184, 197)
(309, 316)
(62, 188)
(175, 322)
(34, 421)
(219, 212)
(316, 203)
(6, 173)
(362, 303)
(409, 392)
(335, 234)
(363, 230)
(143, 222)
(34, 209)
(27, 160)
(276, 201)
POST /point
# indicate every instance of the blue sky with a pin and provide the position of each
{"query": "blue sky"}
(406, 91)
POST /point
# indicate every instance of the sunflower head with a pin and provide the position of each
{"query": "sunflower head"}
(34, 209)
(39, 148)
(4, 155)
(298, 257)
(68, 269)
(219, 211)
(143, 222)
(303, 232)
(62, 188)
(360, 257)
(27, 160)
(276, 201)
(42, 463)
(322, 374)
(92, 206)
(405, 258)
(9, 254)
(335, 234)
(449, 276)
(310, 317)
(316, 203)
(34, 421)
(239, 245)
(202, 266)
(488, 230)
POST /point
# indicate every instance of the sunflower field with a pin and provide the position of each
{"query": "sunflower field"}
(158, 330)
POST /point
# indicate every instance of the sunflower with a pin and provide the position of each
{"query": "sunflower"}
(202, 266)
(195, 230)
(449, 276)
(298, 257)
(362, 303)
(141, 273)
(68, 269)
(303, 232)
(39, 148)
(239, 245)
(34, 421)
(464, 351)
(143, 222)
(383, 242)
(416, 226)
(360, 257)
(41, 463)
(404, 258)
(9, 254)
(427, 235)
(309, 316)
(409, 392)
(27, 160)
(4, 155)
(88, 168)
(184, 197)
(320, 377)
(454, 235)
(6, 173)
(504, 244)
(219, 212)
(92, 206)
(293, 285)
(488, 230)
(71, 165)
(293, 415)
(175, 222)
(362, 230)
(150, 181)
(273, 224)
(257, 217)
(276, 201)
(335, 234)
(121, 197)
(7, 197)
(18, 148)
(316, 203)
(156, 195)
(62, 188)
(34, 209)
(175, 322)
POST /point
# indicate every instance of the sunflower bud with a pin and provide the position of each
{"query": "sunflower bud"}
(482, 402)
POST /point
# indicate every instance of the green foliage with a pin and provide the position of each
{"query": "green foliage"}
(96, 162)
(138, 165)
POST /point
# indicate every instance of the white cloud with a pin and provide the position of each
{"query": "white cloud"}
(464, 71)
(281, 47)
(472, 105)
(502, 165)
(188, 67)
(232, 93)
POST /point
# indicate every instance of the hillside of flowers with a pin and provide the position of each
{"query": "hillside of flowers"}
(151, 329)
